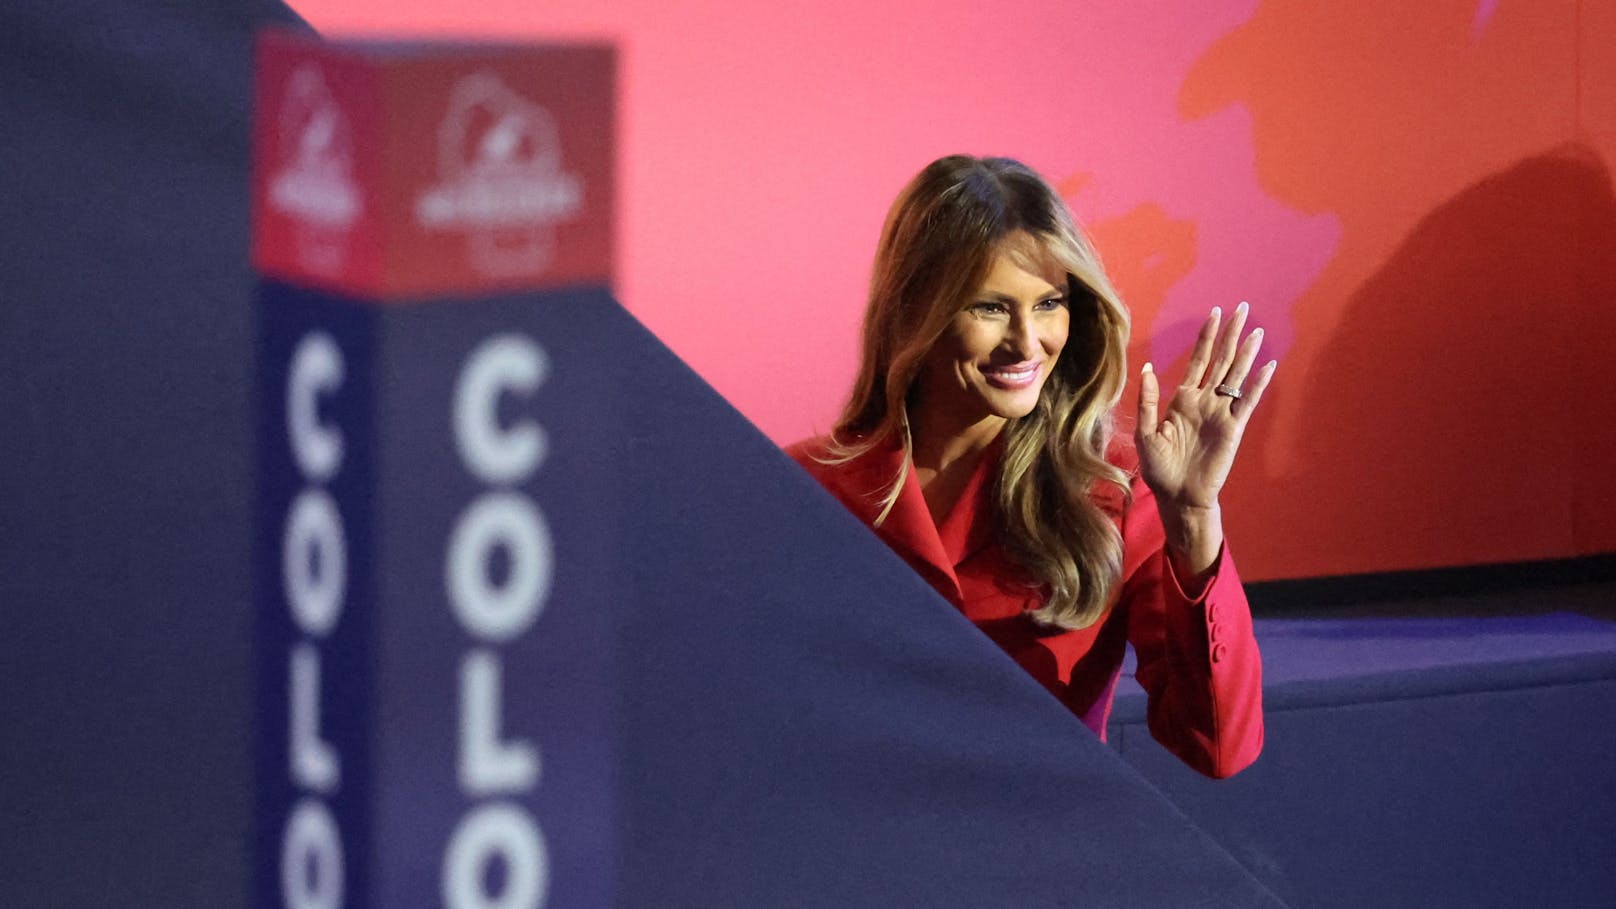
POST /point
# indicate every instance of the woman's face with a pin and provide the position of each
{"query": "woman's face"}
(994, 357)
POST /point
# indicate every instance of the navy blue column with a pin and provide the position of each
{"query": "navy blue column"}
(439, 543)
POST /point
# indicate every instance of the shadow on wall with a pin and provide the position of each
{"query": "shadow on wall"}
(1449, 398)
(1434, 410)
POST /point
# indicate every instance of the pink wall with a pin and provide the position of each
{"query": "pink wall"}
(1415, 198)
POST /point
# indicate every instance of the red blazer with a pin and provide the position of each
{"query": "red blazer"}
(1198, 660)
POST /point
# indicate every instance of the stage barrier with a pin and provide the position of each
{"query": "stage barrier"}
(1458, 754)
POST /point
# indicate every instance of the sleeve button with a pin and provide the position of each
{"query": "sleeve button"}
(1219, 651)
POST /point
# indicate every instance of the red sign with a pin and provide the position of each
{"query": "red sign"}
(397, 172)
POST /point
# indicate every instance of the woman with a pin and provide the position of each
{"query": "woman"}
(978, 444)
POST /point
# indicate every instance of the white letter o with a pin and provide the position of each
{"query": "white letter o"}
(500, 613)
(311, 859)
(314, 527)
(496, 830)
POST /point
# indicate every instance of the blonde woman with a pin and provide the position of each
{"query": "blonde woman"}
(978, 443)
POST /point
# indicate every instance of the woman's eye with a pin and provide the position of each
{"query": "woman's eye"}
(1052, 303)
(988, 308)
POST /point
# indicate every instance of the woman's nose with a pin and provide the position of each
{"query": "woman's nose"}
(1023, 338)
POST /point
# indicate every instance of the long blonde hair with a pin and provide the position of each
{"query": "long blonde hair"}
(939, 241)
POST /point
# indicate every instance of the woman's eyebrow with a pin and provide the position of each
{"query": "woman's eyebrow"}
(999, 296)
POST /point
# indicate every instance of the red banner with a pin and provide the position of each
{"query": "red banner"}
(392, 175)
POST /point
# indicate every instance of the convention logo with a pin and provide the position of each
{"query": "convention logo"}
(501, 181)
(315, 184)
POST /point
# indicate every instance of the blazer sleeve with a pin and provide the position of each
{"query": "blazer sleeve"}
(1198, 659)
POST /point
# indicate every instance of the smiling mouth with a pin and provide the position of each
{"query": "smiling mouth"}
(1013, 377)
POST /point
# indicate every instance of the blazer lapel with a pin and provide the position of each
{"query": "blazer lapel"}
(908, 529)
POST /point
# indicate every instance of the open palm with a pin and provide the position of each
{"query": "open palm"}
(1185, 454)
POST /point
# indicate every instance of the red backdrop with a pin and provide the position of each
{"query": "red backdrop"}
(1416, 199)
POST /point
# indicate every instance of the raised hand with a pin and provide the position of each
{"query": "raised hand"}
(1185, 454)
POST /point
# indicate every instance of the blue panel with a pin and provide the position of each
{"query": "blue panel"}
(126, 352)
(559, 684)
(344, 653)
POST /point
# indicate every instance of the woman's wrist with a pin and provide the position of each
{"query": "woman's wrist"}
(1194, 539)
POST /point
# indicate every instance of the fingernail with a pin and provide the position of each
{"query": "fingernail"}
(1147, 368)
(1217, 311)
(1273, 365)
(1243, 306)
(1256, 333)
